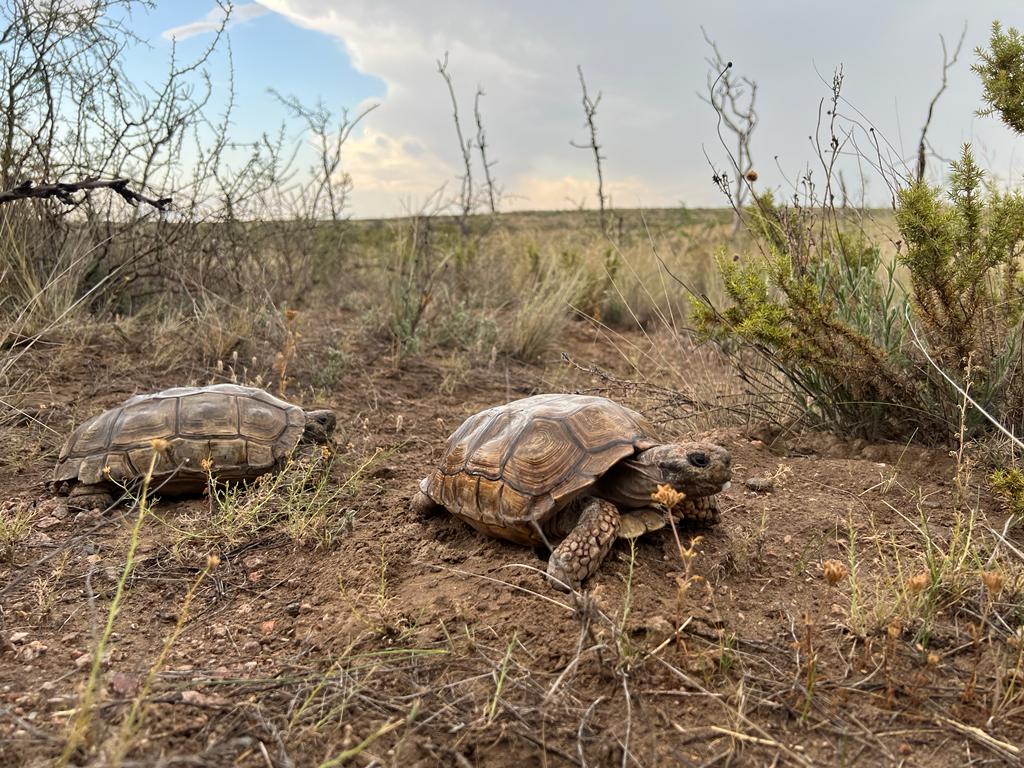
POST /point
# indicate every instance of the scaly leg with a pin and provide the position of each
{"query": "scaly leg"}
(422, 505)
(87, 497)
(583, 550)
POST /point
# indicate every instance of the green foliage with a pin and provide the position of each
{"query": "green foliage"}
(828, 310)
(1009, 483)
(1001, 69)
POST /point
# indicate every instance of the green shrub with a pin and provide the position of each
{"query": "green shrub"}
(857, 350)
(829, 311)
(1001, 69)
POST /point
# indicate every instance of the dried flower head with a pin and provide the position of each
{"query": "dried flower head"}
(993, 581)
(751, 175)
(918, 582)
(933, 659)
(212, 561)
(895, 628)
(159, 445)
(291, 314)
(834, 571)
(668, 497)
(106, 470)
(206, 464)
(325, 451)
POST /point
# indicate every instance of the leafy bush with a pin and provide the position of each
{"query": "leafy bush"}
(831, 314)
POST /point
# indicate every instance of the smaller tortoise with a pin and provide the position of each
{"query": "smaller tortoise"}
(574, 468)
(245, 432)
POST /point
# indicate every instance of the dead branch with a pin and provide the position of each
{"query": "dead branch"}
(590, 111)
(481, 144)
(947, 64)
(734, 101)
(64, 191)
(466, 202)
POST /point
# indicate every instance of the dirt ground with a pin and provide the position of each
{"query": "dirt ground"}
(416, 642)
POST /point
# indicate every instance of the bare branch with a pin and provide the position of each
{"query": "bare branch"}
(947, 64)
(466, 202)
(481, 144)
(63, 192)
(734, 100)
(590, 111)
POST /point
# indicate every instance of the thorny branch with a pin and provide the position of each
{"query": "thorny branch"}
(63, 192)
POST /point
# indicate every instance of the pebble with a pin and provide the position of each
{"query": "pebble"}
(759, 484)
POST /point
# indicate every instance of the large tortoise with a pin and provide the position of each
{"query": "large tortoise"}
(244, 431)
(577, 468)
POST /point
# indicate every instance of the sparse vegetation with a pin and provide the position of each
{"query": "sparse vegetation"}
(859, 604)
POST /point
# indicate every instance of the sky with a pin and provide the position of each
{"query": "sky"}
(645, 57)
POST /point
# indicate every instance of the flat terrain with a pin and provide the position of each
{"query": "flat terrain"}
(367, 636)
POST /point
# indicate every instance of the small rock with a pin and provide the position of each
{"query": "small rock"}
(18, 637)
(759, 484)
(293, 609)
(267, 627)
(252, 562)
(32, 650)
(659, 626)
(255, 576)
(201, 699)
(123, 684)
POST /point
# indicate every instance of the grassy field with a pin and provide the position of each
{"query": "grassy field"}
(858, 604)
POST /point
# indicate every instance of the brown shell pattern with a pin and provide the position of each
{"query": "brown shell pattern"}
(510, 466)
(243, 430)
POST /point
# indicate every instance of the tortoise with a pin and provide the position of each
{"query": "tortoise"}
(578, 468)
(244, 431)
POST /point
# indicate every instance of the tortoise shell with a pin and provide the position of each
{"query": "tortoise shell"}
(244, 431)
(508, 469)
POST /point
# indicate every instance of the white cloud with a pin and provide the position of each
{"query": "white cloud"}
(647, 58)
(213, 20)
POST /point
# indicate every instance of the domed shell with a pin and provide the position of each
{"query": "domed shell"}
(244, 431)
(512, 466)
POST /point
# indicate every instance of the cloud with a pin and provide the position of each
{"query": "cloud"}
(648, 61)
(213, 20)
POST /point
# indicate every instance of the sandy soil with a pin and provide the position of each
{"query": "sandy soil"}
(420, 642)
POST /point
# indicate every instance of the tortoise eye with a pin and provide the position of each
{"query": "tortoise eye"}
(699, 460)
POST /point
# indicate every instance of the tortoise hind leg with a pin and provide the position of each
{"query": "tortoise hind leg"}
(422, 505)
(86, 497)
(585, 548)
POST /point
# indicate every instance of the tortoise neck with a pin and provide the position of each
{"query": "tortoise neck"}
(630, 483)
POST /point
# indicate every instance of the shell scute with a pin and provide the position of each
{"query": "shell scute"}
(144, 422)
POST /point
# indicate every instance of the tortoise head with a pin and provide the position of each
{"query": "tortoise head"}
(319, 426)
(696, 469)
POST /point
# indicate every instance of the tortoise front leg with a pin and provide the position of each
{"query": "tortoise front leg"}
(86, 497)
(586, 546)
